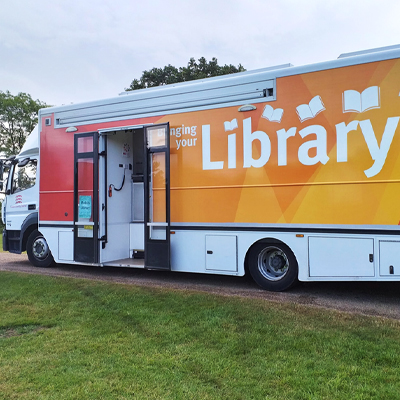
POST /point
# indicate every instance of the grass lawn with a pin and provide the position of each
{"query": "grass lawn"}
(73, 339)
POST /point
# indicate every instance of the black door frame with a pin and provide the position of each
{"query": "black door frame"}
(157, 251)
(86, 249)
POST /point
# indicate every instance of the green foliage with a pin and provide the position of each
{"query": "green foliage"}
(74, 339)
(194, 70)
(18, 117)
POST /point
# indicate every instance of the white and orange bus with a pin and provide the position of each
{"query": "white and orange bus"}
(290, 173)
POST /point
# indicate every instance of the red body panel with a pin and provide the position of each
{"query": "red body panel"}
(56, 191)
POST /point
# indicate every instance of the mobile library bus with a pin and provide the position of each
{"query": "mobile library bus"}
(290, 173)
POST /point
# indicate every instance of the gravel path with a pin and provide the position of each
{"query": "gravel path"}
(368, 298)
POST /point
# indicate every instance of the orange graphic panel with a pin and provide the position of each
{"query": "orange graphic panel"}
(325, 152)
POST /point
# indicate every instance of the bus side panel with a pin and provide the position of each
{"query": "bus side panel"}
(56, 175)
(204, 245)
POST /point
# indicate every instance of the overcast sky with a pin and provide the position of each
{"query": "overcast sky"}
(70, 51)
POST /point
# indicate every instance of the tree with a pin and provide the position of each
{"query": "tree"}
(18, 117)
(194, 70)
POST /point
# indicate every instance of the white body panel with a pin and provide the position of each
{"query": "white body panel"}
(389, 258)
(65, 246)
(17, 207)
(136, 236)
(221, 253)
(341, 257)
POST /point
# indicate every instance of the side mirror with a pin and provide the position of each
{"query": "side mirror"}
(23, 162)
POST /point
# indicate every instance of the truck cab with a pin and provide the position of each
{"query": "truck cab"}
(20, 208)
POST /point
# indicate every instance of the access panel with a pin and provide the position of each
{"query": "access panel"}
(221, 253)
(341, 257)
(389, 261)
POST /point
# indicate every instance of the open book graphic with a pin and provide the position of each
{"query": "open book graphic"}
(310, 110)
(230, 125)
(272, 115)
(354, 101)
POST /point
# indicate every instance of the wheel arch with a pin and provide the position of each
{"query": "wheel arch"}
(28, 226)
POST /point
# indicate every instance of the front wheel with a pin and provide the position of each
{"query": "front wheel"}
(273, 266)
(38, 250)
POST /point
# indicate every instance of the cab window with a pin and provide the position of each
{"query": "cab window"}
(24, 177)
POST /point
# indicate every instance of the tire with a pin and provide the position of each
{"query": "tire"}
(38, 250)
(273, 266)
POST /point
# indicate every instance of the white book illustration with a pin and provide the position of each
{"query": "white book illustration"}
(230, 125)
(354, 101)
(272, 115)
(310, 110)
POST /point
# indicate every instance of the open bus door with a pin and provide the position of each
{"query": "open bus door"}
(157, 197)
(86, 192)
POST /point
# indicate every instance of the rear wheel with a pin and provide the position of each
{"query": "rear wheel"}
(273, 266)
(38, 250)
